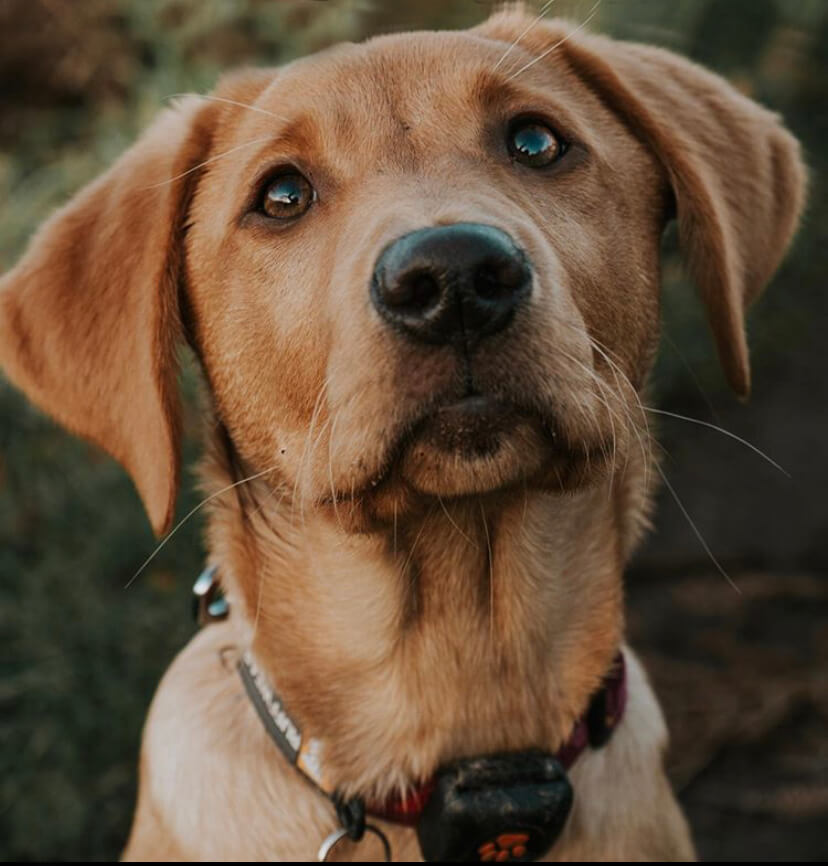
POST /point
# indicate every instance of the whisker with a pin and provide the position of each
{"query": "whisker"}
(605, 352)
(229, 102)
(695, 379)
(601, 398)
(603, 387)
(395, 529)
(260, 594)
(189, 514)
(303, 494)
(695, 529)
(592, 13)
(491, 575)
(543, 10)
(308, 450)
(525, 503)
(452, 522)
(646, 450)
(724, 432)
(207, 162)
(330, 472)
(410, 556)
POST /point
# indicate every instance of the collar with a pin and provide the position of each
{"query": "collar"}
(593, 729)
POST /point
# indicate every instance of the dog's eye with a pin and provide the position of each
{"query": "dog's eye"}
(533, 143)
(287, 196)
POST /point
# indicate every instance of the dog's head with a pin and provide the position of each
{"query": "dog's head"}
(425, 265)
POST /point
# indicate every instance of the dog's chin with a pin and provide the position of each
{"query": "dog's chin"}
(473, 446)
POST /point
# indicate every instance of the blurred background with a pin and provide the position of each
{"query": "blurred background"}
(743, 675)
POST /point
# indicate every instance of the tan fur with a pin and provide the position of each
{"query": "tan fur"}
(411, 606)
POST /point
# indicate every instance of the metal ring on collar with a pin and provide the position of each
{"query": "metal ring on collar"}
(327, 847)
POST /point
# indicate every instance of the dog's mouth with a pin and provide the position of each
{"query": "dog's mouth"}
(473, 445)
(481, 444)
(472, 427)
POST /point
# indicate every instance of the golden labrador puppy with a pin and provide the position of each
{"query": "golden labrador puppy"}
(421, 276)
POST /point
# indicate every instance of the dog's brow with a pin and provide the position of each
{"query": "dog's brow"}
(491, 88)
(300, 136)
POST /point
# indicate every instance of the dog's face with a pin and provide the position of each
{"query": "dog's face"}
(418, 269)
(424, 266)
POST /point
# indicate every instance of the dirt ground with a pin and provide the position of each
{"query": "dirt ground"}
(743, 680)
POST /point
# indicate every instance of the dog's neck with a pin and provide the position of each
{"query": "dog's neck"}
(474, 627)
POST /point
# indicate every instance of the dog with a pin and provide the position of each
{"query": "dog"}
(421, 278)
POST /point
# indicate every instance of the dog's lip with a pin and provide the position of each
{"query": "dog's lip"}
(472, 423)
(472, 426)
(475, 406)
(471, 404)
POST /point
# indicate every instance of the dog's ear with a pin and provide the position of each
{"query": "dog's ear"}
(89, 316)
(736, 174)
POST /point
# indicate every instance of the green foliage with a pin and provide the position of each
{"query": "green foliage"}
(82, 654)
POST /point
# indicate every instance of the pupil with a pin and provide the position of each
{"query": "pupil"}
(287, 193)
(531, 140)
(287, 196)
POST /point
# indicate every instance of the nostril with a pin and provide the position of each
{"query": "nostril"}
(500, 278)
(414, 292)
(487, 284)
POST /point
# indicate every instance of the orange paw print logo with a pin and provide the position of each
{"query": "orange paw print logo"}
(507, 846)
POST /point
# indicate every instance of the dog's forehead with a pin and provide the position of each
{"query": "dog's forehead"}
(367, 97)
(393, 69)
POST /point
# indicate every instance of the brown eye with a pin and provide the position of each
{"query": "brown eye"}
(287, 196)
(533, 143)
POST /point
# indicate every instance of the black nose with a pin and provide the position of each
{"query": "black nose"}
(455, 283)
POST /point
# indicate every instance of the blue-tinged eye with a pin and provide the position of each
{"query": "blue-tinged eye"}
(533, 143)
(287, 196)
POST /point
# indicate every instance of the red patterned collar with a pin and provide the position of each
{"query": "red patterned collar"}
(593, 729)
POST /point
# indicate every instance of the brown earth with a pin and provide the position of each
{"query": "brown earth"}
(743, 679)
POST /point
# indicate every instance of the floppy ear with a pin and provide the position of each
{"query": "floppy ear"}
(89, 316)
(737, 176)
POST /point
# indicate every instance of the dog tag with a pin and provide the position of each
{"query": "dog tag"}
(496, 808)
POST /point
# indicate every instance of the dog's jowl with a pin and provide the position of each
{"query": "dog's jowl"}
(421, 278)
